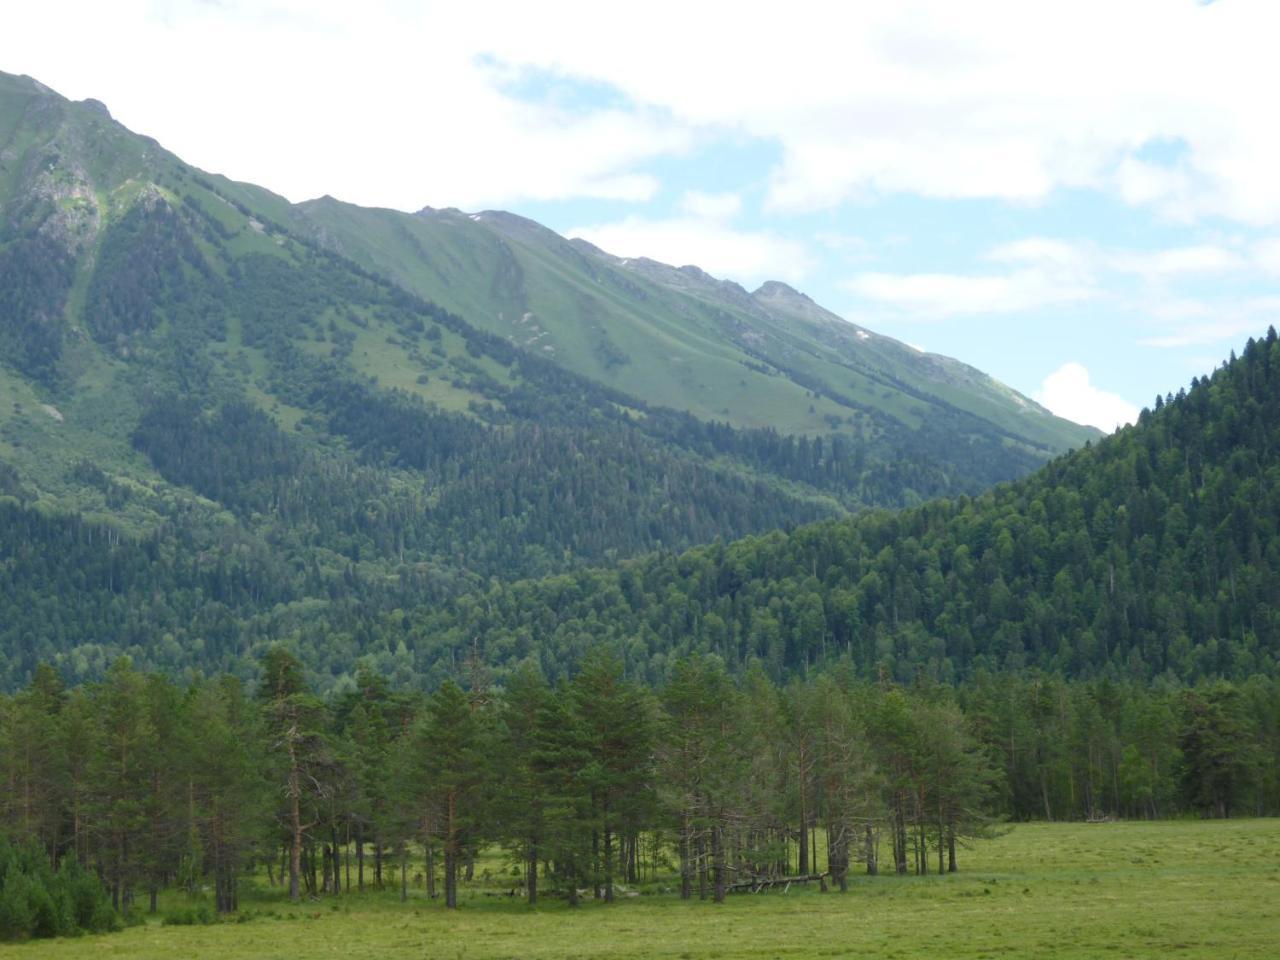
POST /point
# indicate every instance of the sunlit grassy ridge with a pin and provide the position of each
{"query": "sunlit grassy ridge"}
(672, 336)
(1191, 889)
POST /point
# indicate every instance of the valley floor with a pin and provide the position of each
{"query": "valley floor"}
(1178, 889)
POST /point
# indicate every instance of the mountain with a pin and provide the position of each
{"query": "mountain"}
(224, 416)
(678, 336)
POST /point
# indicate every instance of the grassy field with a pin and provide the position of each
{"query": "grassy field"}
(1186, 889)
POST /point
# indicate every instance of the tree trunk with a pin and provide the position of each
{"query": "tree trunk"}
(295, 849)
(450, 876)
(608, 865)
(951, 852)
(813, 847)
(360, 856)
(717, 855)
(595, 864)
(870, 853)
(803, 864)
(900, 836)
(686, 861)
(702, 867)
(337, 880)
(531, 881)
(451, 855)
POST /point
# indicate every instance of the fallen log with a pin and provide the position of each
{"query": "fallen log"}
(756, 884)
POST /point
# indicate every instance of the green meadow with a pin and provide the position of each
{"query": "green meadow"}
(1176, 889)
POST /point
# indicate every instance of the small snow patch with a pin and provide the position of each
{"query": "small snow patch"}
(52, 411)
(474, 216)
(863, 335)
(257, 227)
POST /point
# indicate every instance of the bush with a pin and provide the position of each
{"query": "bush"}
(15, 905)
(195, 916)
(37, 902)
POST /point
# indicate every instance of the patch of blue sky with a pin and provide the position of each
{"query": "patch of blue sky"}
(729, 164)
(547, 87)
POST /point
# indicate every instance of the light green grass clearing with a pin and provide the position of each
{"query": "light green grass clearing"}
(1185, 889)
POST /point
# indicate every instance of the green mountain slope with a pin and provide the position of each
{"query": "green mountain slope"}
(217, 426)
(124, 274)
(678, 337)
(1154, 552)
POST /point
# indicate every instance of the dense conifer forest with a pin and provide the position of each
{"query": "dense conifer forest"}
(588, 784)
(1151, 554)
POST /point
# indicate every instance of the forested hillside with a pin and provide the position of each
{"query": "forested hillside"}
(216, 428)
(1153, 552)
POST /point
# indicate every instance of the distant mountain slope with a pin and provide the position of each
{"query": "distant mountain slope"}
(215, 427)
(678, 336)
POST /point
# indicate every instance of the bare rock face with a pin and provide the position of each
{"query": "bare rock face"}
(57, 199)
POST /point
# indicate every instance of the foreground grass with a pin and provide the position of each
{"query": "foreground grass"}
(1186, 889)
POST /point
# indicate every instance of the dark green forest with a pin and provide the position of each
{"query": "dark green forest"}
(1153, 553)
(373, 499)
(586, 784)
(1150, 554)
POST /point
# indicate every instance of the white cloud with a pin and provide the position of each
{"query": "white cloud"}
(711, 206)
(989, 99)
(1069, 393)
(383, 104)
(389, 102)
(1266, 255)
(1206, 323)
(1179, 261)
(750, 257)
(1044, 273)
(940, 295)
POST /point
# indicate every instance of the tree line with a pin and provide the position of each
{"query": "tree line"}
(592, 782)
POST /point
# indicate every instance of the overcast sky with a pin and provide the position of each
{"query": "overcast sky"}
(1081, 198)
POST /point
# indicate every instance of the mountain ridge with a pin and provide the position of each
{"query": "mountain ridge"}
(269, 435)
(765, 360)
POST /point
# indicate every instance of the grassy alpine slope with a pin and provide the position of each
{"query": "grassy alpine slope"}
(677, 337)
(1070, 891)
